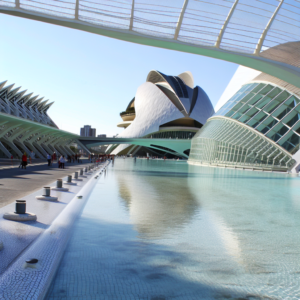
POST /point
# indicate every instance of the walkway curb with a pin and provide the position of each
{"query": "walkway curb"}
(21, 281)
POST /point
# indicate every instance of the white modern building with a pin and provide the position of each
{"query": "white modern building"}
(167, 107)
(25, 125)
(256, 124)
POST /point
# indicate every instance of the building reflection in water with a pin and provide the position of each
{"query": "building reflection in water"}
(162, 205)
(222, 213)
(157, 206)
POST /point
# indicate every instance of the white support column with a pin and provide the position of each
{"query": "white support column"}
(83, 146)
(5, 151)
(40, 148)
(178, 26)
(219, 39)
(263, 36)
(35, 150)
(12, 146)
(131, 15)
(22, 146)
(76, 9)
(49, 151)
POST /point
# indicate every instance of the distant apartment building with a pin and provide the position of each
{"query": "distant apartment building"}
(87, 130)
(101, 135)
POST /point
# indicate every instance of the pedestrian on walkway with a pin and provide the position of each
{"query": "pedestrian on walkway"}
(53, 157)
(49, 159)
(32, 156)
(11, 158)
(62, 162)
(24, 160)
(76, 157)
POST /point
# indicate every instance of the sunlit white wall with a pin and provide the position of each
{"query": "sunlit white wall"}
(240, 77)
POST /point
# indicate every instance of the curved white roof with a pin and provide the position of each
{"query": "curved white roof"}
(239, 31)
(187, 78)
(155, 106)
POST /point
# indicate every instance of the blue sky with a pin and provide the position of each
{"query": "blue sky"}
(92, 78)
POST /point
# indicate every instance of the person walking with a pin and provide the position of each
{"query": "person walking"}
(49, 159)
(24, 160)
(53, 157)
(32, 156)
(62, 162)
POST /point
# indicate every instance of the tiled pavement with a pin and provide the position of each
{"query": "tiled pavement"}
(18, 236)
(16, 183)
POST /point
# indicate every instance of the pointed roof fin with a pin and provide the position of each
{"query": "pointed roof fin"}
(2, 84)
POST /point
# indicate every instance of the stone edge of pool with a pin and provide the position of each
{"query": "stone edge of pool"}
(22, 280)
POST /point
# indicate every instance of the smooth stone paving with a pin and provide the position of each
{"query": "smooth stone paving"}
(156, 230)
(31, 281)
(17, 236)
(16, 183)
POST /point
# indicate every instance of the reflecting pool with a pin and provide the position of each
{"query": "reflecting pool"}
(168, 230)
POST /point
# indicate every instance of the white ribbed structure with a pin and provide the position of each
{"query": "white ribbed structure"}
(19, 104)
(239, 25)
(25, 126)
(240, 31)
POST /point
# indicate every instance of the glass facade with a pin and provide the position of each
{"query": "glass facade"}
(258, 126)
(268, 109)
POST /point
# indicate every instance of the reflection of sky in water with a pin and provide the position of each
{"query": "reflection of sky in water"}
(167, 230)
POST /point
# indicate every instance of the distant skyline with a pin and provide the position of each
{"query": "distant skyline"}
(92, 78)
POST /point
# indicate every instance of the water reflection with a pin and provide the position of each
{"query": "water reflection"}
(157, 206)
(262, 212)
(230, 211)
(162, 230)
(162, 203)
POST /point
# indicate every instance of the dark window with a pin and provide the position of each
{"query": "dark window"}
(183, 87)
(177, 87)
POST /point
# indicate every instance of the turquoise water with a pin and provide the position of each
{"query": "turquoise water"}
(168, 230)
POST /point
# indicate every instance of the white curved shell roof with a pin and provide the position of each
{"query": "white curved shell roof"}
(153, 107)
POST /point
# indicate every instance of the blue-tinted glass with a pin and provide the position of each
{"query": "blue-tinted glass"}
(293, 120)
(291, 143)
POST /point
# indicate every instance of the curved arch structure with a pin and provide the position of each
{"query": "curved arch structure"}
(219, 29)
(225, 142)
(176, 146)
